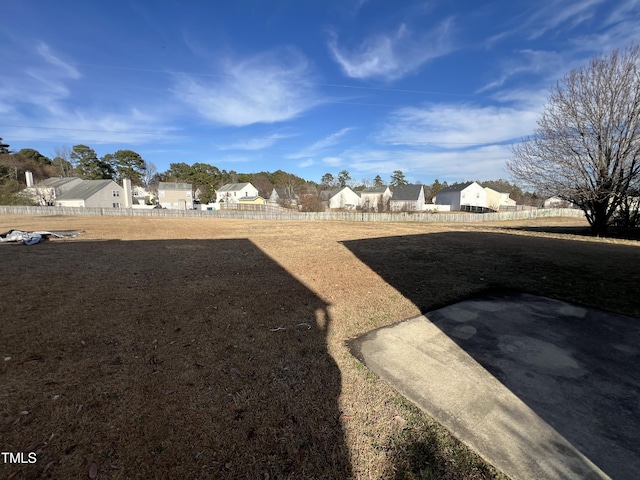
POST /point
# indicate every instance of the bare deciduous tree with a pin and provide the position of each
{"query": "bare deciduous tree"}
(586, 149)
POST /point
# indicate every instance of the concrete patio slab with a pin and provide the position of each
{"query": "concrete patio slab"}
(538, 387)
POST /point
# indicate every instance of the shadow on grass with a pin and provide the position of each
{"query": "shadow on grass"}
(181, 359)
(614, 232)
(437, 270)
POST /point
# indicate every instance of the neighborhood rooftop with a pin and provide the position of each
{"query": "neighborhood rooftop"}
(456, 188)
(173, 186)
(85, 189)
(232, 187)
(406, 192)
(56, 182)
(375, 190)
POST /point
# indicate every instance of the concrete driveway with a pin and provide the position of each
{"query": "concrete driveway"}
(538, 387)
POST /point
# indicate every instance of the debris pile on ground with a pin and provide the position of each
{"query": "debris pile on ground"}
(31, 238)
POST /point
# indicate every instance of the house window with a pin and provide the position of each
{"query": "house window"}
(234, 194)
(478, 195)
(116, 205)
(116, 193)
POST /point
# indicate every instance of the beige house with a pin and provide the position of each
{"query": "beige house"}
(94, 193)
(175, 196)
(375, 199)
(46, 191)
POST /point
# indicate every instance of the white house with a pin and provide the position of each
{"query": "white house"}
(557, 202)
(469, 196)
(343, 198)
(176, 196)
(232, 192)
(94, 193)
(408, 198)
(375, 198)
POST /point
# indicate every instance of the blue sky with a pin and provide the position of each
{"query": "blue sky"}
(437, 89)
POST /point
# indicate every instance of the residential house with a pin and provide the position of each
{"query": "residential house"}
(499, 200)
(94, 193)
(46, 191)
(557, 202)
(469, 196)
(256, 200)
(407, 198)
(375, 199)
(506, 202)
(283, 197)
(232, 192)
(343, 198)
(141, 195)
(176, 196)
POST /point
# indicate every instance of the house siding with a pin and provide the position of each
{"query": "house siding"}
(172, 197)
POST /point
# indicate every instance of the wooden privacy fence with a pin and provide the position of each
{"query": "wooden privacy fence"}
(303, 216)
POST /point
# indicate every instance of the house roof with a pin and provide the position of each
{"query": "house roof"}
(406, 192)
(86, 189)
(249, 199)
(456, 188)
(57, 182)
(233, 187)
(174, 186)
(375, 190)
(335, 191)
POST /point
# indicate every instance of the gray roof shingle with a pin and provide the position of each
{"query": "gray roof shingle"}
(174, 186)
(406, 192)
(232, 187)
(86, 189)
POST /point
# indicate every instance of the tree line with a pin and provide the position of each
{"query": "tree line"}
(82, 161)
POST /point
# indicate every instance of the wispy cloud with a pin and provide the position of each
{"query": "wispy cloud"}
(266, 88)
(306, 163)
(561, 13)
(320, 145)
(543, 64)
(394, 55)
(39, 100)
(257, 143)
(63, 67)
(482, 163)
(455, 126)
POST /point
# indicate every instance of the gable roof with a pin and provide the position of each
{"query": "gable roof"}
(456, 188)
(335, 191)
(174, 186)
(86, 189)
(406, 192)
(375, 190)
(57, 182)
(233, 187)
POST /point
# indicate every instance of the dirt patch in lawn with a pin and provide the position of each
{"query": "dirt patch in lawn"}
(198, 347)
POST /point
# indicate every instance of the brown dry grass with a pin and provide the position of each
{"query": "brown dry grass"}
(159, 340)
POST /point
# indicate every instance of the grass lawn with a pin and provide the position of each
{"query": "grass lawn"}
(195, 348)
